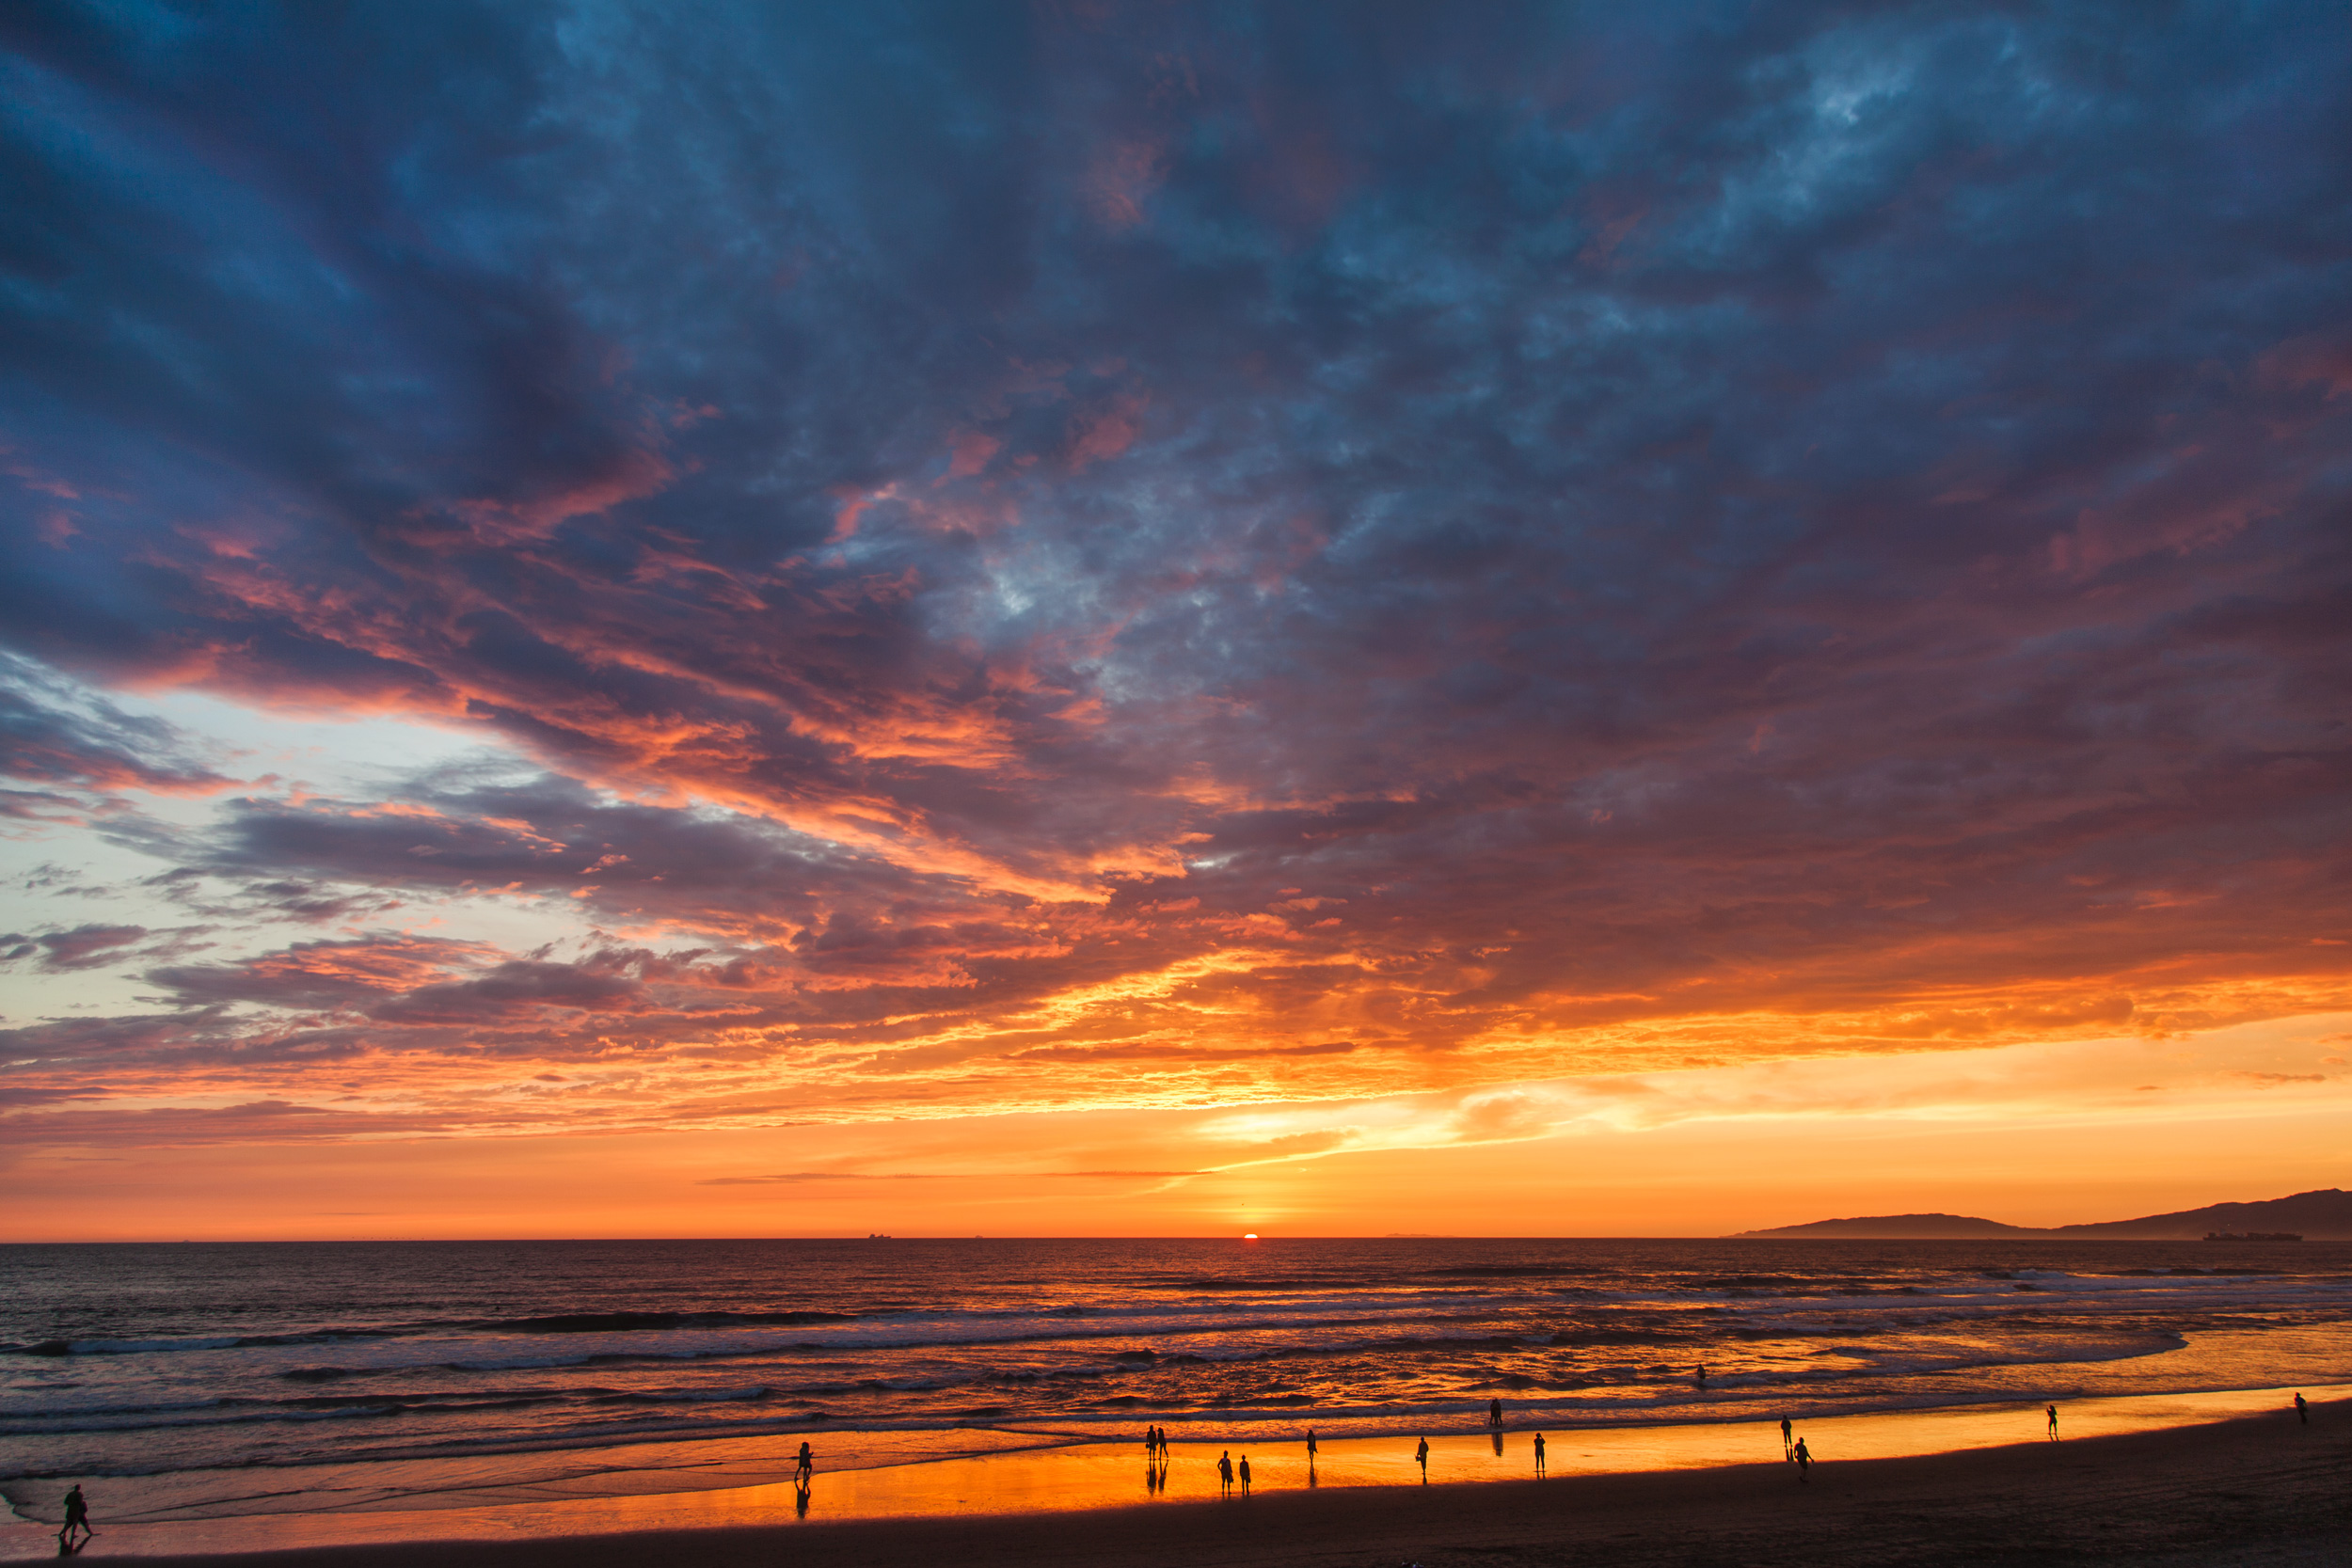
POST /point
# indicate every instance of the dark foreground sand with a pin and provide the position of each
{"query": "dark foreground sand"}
(2261, 1491)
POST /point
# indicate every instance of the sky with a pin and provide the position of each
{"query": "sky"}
(1155, 618)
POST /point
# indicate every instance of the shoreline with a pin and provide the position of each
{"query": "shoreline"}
(1048, 1490)
(2259, 1490)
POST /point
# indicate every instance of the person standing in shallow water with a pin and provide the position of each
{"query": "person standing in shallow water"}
(1494, 1414)
(1245, 1474)
(1787, 1438)
(1422, 1456)
(1539, 1453)
(807, 1470)
(2050, 1411)
(1225, 1471)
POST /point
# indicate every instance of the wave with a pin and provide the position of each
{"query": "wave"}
(903, 1327)
(1506, 1271)
(556, 1323)
(210, 1341)
(633, 1323)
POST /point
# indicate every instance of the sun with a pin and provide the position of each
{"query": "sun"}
(1250, 1237)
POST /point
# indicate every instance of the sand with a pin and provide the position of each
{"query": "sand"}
(2254, 1490)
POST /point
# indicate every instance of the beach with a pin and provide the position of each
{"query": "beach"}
(2144, 1470)
(2260, 1489)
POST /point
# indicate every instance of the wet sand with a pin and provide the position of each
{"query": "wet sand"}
(2256, 1489)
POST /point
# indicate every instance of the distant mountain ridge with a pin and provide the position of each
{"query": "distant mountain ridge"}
(2324, 1216)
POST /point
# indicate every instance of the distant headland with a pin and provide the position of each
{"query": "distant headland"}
(2324, 1215)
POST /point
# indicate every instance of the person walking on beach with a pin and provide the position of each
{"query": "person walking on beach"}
(76, 1518)
(1805, 1461)
(807, 1470)
(2050, 1411)
(2303, 1414)
(1787, 1439)
(1539, 1453)
(1245, 1474)
(1422, 1456)
(1225, 1472)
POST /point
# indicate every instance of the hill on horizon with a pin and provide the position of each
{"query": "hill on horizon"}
(2321, 1215)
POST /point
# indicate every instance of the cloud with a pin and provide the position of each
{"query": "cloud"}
(83, 947)
(796, 1178)
(255, 1121)
(1063, 559)
(53, 735)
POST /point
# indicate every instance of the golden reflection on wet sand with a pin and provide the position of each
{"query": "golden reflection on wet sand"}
(1107, 1475)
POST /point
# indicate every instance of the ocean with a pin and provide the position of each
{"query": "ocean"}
(144, 1360)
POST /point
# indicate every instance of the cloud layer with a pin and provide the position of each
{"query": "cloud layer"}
(1109, 555)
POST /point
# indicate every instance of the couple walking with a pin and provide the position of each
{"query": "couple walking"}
(1792, 1448)
(76, 1523)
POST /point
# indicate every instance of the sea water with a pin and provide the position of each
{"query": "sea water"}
(478, 1360)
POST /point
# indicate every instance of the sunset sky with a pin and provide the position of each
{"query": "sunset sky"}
(1133, 618)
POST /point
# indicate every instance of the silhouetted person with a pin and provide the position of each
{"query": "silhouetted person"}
(76, 1518)
(1245, 1474)
(2050, 1411)
(1805, 1461)
(1702, 1377)
(806, 1471)
(1787, 1439)
(2303, 1414)
(1422, 1456)
(1539, 1453)
(1225, 1471)
(1494, 1414)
